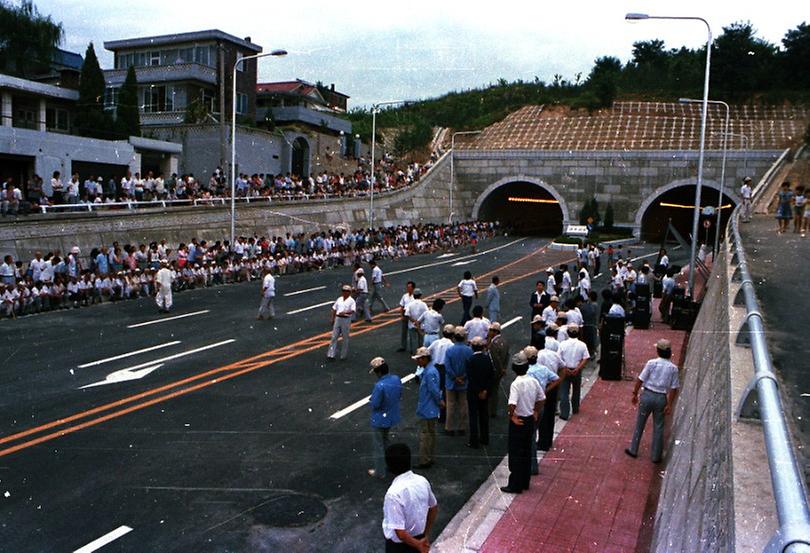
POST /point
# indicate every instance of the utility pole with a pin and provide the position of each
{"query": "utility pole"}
(223, 125)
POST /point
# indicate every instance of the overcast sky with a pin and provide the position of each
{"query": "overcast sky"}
(378, 50)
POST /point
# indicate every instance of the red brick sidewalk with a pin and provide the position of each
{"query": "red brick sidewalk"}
(589, 495)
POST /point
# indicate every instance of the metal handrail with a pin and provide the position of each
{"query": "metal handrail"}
(790, 495)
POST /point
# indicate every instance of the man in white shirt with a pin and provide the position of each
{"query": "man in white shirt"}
(407, 298)
(163, 283)
(361, 299)
(413, 312)
(660, 381)
(550, 312)
(467, 289)
(438, 350)
(526, 398)
(745, 194)
(551, 282)
(377, 282)
(409, 508)
(574, 355)
(478, 326)
(430, 322)
(268, 296)
(342, 311)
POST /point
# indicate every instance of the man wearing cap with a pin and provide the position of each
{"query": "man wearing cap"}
(550, 312)
(574, 355)
(480, 374)
(430, 322)
(163, 283)
(413, 311)
(342, 311)
(499, 352)
(745, 194)
(551, 282)
(268, 295)
(538, 332)
(385, 398)
(361, 298)
(428, 407)
(455, 382)
(493, 303)
(659, 378)
(526, 399)
(438, 353)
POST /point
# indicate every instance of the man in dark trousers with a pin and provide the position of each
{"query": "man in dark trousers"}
(526, 399)
(540, 298)
(659, 378)
(480, 374)
(499, 352)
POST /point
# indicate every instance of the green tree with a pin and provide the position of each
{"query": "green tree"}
(608, 224)
(796, 57)
(603, 79)
(128, 117)
(742, 63)
(91, 119)
(28, 40)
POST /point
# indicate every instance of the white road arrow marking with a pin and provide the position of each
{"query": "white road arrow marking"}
(123, 375)
(460, 263)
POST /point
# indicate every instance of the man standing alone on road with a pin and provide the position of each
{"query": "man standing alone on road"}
(493, 303)
(163, 281)
(428, 407)
(342, 311)
(660, 381)
(467, 289)
(361, 289)
(409, 508)
(385, 398)
(268, 296)
(377, 282)
(745, 194)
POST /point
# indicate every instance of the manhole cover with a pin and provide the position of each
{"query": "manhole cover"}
(289, 510)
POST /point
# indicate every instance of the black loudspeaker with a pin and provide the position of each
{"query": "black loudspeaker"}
(642, 312)
(658, 289)
(610, 363)
(643, 291)
(683, 314)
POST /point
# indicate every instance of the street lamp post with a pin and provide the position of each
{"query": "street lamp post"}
(276, 53)
(453, 167)
(699, 186)
(375, 109)
(722, 167)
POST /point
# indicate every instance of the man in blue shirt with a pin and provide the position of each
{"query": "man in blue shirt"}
(455, 383)
(385, 398)
(549, 380)
(428, 407)
(102, 262)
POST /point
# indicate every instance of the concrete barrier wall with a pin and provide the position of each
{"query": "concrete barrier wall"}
(696, 503)
(425, 202)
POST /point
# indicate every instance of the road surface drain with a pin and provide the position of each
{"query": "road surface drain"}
(289, 510)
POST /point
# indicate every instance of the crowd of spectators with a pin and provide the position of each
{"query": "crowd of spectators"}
(96, 190)
(120, 272)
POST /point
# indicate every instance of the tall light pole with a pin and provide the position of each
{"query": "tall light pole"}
(699, 186)
(722, 167)
(375, 108)
(233, 131)
(453, 166)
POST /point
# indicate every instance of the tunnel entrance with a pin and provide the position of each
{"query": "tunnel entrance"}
(677, 205)
(525, 207)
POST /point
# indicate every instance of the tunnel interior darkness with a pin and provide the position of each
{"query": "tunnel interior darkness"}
(532, 210)
(654, 221)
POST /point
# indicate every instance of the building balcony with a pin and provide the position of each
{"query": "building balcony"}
(154, 74)
(302, 114)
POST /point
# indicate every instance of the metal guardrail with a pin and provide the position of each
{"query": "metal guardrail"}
(762, 395)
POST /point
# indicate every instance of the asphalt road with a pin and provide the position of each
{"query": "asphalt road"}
(778, 265)
(243, 458)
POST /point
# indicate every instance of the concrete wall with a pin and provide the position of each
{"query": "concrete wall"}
(696, 504)
(424, 202)
(624, 179)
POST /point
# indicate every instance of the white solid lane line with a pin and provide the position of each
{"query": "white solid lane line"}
(176, 356)
(288, 294)
(330, 302)
(156, 321)
(130, 354)
(510, 322)
(470, 256)
(95, 545)
(358, 404)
